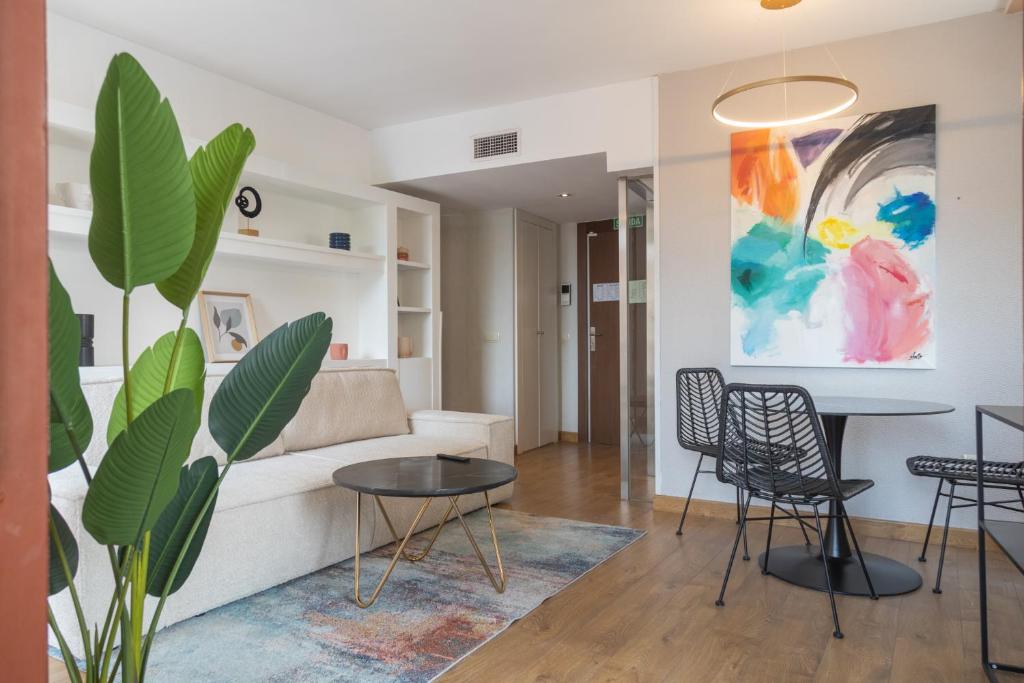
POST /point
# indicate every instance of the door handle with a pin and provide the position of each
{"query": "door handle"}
(540, 331)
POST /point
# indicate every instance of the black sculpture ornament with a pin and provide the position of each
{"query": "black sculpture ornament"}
(242, 202)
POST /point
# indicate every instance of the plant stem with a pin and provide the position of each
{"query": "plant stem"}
(172, 366)
(124, 355)
(69, 660)
(69, 577)
(116, 607)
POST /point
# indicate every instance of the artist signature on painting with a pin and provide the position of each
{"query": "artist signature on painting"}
(916, 355)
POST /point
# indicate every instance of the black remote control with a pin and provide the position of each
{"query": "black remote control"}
(453, 458)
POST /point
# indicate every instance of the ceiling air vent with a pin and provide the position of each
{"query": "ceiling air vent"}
(496, 145)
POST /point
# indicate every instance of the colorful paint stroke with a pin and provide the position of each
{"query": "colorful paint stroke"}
(833, 243)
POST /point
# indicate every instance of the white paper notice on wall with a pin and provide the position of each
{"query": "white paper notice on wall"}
(606, 291)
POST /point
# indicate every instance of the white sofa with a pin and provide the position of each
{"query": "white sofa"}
(279, 515)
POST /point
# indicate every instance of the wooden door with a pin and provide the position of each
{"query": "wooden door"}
(601, 336)
(549, 403)
(527, 328)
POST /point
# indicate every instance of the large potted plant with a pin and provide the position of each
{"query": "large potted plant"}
(156, 220)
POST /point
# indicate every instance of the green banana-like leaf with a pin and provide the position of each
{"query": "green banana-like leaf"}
(144, 213)
(264, 391)
(215, 173)
(149, 374)
(58, 580)
(70, 419)
(167, 540)
(138, 476)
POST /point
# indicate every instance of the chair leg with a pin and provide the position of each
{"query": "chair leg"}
(689, 496)
(860, 555)
(945, 536)
(739, 505)
(931, 521)
(743, 528)
(800, 523)
(768, 543)
(828, 575)
(720, 602)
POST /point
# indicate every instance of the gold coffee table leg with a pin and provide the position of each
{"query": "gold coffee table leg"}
(394, 560)
(499, 585)
(394, 535)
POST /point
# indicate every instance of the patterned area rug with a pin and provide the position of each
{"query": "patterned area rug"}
(429, 616)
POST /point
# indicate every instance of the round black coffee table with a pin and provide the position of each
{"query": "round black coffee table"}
(426, 477)
(801, 564)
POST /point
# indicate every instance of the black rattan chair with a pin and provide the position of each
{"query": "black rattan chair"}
(1000, 476)
(773, 449)
(698, 405)
(698, 400)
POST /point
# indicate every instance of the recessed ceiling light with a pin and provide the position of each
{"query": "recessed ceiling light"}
(564, 195)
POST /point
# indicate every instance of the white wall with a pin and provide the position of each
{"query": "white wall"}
(617, 119)
(206, 103)
(568, 353)
(478, 298)
(971, 69)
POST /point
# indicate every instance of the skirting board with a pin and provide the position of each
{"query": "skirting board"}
(569, 437)
(879, 528)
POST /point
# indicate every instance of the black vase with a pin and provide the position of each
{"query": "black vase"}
(86, 358)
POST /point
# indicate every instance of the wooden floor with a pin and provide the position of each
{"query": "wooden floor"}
(648, 613)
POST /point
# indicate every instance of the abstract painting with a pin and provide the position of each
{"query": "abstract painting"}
(229, 327)
(833, 243)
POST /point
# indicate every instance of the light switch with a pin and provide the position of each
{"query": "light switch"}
(491, 337)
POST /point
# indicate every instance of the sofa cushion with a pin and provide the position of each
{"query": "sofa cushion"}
(408, 445)
(348, 405)
(249, 483)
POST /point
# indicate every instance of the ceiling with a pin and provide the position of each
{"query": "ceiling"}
(380, 62)
(533, 187)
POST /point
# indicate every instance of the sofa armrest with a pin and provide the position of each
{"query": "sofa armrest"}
(495, 431)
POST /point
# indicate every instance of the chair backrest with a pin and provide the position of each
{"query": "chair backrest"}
(698, 402)
(772, 443)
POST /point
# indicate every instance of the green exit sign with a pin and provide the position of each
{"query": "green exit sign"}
(634, 222)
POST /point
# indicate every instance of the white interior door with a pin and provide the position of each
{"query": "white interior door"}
(549, 401)
(527, 329)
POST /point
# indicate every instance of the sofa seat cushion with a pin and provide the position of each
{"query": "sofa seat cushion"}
(257, 481)
(347, 405)
(408, 445)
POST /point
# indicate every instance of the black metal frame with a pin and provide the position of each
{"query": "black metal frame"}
(773, 449)
(986, 662)
(965, 503)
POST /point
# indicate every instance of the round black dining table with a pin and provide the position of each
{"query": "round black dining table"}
(801, 564)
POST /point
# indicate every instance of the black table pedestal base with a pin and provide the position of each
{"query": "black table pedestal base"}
(801, 565)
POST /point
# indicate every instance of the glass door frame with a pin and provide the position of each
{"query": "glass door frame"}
(643, 187)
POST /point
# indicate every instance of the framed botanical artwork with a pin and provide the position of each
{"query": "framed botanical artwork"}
(229, 327)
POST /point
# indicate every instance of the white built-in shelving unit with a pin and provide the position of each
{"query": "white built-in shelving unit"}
(289, 270)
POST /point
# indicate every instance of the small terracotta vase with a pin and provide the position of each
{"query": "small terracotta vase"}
(339, 351)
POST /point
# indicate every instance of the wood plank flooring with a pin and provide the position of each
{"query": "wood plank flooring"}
(648, 614)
